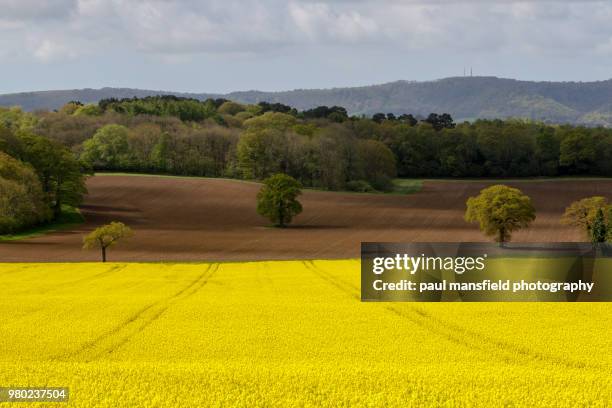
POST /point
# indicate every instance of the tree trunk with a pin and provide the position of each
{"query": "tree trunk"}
(103, 254)
(281, 215)
(57, 209)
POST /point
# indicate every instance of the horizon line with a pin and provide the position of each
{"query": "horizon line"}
(169, 92)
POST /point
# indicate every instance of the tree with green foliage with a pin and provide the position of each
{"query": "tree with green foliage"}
(88, 110)
(262, 152)
(275, 107)
(9, 142)
(547, 152)
(59, 171)
(187, 109)
(277, 199)
(377, 164)
(439, 122)
(108, 149)
(582, 213)
(336, 114)
(106, 236)
(500, 210)
(70, 107)
(271, 121)
(330, 162)
(57, 168)
(230, 108)
(22, 200)
(17, 120)
(578, 152)
(599, 229)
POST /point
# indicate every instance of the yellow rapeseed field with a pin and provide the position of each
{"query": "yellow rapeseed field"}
(287, 334)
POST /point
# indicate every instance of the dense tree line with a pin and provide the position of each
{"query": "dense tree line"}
(38, 175)
(186, 109)
(325, 152)
(501, 149)
(322, 147)
(147, 147)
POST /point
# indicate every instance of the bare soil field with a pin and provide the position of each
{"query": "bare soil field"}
(196, 219)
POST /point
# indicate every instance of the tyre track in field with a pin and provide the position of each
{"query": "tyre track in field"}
(86, 279)
(142, 323)
(462, 336)
(17, 268)
(113, 339)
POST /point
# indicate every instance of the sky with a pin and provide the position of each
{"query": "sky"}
(229, 45)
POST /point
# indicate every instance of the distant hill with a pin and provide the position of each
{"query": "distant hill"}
(49, 100)
(464, 98)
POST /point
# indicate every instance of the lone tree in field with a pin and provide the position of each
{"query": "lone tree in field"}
(106, 236)
(277, 199)
(500, 210)
(582, 213)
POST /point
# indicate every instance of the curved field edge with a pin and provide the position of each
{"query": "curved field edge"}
(287, 333)
(400, 186)
(70, 218)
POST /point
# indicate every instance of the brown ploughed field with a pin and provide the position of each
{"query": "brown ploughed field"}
(195, 219)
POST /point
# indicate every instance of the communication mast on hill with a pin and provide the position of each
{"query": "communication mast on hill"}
(465, 72)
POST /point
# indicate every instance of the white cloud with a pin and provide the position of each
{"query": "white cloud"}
(36, 10)
(48, 50)
(319, 21)
(175, 29)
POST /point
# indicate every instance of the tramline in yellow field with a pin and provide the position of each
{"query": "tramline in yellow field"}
(287, 334)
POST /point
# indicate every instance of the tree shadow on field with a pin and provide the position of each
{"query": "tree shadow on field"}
(306, 227)
(108, 209)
